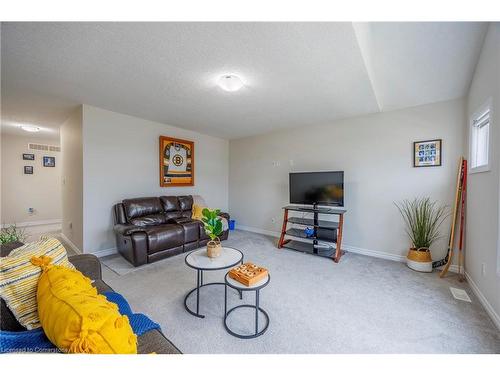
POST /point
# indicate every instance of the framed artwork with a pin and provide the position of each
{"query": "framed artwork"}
(427, 153)
(28, 169)
(49, 161)
(28, 156)
(176, 162)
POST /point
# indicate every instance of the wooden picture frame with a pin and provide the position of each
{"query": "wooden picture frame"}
(28, 169)
(29, 157)
(176, 162)
(49, 161)
(428, 153)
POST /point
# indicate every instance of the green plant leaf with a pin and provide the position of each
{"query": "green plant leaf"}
(422, 220)
(218, 228)
(212, 222)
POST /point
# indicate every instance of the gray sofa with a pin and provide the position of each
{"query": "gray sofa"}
(89, 265)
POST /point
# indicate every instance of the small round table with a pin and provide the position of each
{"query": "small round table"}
(199, 260)
(242, 288)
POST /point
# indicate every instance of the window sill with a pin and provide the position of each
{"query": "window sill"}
(481, 169)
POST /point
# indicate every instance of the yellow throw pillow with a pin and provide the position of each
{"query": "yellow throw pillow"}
(19, 278)
(197, 212)
(76, 318)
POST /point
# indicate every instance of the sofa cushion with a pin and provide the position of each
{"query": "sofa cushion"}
(163, 237)
(197, 212)
(186, 203)
(155, 219)
(142, 207)
(19, 278)
(171, 206)
(170, 203)
(75, 317)
(191, 229)
(203, 234)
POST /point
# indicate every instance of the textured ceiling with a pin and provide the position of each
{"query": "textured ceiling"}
(296, 74)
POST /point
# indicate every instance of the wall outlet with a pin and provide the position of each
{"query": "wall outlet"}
(276, 163)
(483, 269)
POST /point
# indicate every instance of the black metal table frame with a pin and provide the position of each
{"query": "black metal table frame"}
(256, 307)
(199, 282)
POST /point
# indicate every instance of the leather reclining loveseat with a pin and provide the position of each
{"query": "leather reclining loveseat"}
(154, 228)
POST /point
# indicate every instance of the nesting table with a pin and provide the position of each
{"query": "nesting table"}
(242, 288)
(228, 258)
(199, 261)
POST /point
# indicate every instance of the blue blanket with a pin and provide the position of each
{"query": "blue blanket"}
(36, 341)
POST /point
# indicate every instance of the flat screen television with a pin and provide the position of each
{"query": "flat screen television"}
(317, 188)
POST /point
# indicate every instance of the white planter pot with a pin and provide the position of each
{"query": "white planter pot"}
(419, 266)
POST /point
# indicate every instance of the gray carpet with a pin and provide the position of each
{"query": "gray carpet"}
(361, 305)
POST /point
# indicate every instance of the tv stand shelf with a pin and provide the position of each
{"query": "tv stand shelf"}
(326, 233)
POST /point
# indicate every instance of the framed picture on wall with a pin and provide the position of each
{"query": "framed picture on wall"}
(28, 169)
(49, 161)
(176, 162)
(28, 156)
(427, 153)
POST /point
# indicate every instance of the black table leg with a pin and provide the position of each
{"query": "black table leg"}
(256, 311)
(198, 291)
(239, 291)
(256, 307)
(225, 300)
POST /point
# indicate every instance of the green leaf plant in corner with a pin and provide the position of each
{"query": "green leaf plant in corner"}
(422, 218)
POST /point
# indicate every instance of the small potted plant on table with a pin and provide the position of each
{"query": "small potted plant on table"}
(422, 219)
(213, 228)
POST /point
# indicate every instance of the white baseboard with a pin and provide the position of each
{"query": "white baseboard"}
(258, 230)
(105, 252)
(375, 253)
(487, 306)
(35, 223)
(348, 248)
(70, 243)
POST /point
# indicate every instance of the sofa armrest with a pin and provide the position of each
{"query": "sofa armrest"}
(88, 264)
(225, 215)
(154, 341)
(127, 229)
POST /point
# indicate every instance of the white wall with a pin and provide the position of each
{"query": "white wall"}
(40, 190)
(375, 151)
(483, 188)
(72, 179)
(121, 161)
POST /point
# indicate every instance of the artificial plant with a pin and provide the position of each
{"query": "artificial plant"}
(422, 218)
(212, 223)
(12, 234)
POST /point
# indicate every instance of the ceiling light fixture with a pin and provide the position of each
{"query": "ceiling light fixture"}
(30, 128)
(230, 82)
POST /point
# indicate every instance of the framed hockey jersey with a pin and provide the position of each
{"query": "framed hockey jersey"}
(176, 162)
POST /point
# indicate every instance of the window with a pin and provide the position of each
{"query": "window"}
(480, 139)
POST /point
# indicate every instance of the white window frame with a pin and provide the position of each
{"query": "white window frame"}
(486, 107)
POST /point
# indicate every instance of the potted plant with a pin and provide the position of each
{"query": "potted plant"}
(213, 228)
(422, 219)
(11, 237)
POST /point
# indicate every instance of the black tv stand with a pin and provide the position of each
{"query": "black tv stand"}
(325, 232)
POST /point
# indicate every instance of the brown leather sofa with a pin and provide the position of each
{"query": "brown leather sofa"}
(154, 228)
